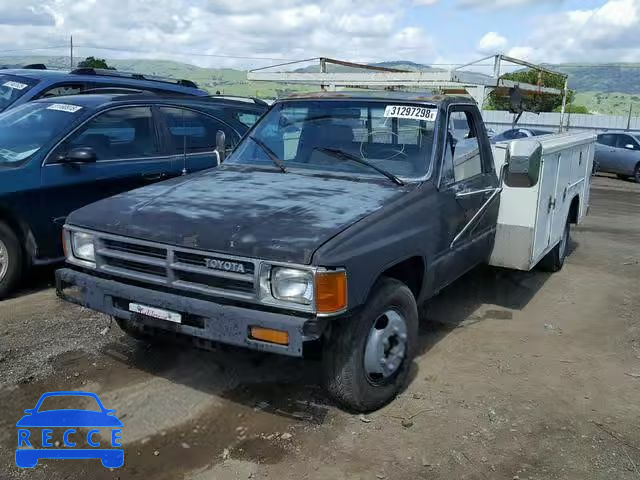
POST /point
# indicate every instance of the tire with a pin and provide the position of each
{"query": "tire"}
(554, 260)
(11, 260)
(344, 360)
(636, 173)
(622, 177)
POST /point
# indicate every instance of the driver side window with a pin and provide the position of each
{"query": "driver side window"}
(462, 159)
(623, 141)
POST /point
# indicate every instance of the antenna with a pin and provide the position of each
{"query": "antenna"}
(184, 145)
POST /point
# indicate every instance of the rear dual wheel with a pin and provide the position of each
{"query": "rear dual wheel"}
(554, 260)
(367, 358)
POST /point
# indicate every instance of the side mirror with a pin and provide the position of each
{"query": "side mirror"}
(522, 168)
(220, 146)
(79, 156)
(630, 146)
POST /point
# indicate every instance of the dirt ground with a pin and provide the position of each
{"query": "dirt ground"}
(519, 375)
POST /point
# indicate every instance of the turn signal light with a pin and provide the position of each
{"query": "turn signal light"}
(64, 245)
(331, 291)
(269, 335)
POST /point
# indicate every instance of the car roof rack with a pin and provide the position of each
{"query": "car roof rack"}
(138, 76)
(115, 90)
(35, 66)
(240, 98)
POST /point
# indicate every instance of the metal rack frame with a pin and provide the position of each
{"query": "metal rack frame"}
(455, 80)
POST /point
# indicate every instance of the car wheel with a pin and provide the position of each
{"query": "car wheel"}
(636, 173)
(26, 459)
(554, 260)
(367, 357)
(11, 260)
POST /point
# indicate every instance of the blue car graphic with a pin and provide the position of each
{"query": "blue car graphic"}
(69, 419)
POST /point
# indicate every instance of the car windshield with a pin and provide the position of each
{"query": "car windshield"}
(13, 87)
(25, 129)
(343, 137)
(67, 402)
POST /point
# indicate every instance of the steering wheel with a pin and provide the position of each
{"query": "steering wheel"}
(395, 152)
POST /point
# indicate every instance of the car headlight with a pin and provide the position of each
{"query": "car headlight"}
(82, 246)
(292, 285)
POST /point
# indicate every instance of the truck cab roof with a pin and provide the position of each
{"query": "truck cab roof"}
(430, 97)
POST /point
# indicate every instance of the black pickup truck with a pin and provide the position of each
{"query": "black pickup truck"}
(335, 217)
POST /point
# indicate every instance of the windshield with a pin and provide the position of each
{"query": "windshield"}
(392, 136)
(25, 129)
(13, 87)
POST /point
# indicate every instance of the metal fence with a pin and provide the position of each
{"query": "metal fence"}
(500, 120)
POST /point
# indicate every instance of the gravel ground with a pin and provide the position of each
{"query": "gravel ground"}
(519, 375)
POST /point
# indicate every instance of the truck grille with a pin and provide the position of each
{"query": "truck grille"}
(180, 268)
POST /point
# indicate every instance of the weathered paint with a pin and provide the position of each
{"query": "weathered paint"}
(259, 213)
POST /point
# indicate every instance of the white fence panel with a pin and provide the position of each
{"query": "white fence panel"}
(501, 120)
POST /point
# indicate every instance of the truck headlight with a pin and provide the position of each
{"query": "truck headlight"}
(292, 285)
(82, 246)
(315, 289)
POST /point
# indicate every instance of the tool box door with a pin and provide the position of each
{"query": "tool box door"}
(546, 205)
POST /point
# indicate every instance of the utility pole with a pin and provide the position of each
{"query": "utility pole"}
(71, 53)
(629, 119)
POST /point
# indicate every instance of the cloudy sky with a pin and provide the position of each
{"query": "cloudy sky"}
(426, 31)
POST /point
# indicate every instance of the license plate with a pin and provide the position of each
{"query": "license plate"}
(154, 312)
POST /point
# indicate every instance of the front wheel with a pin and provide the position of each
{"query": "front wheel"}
(554, 260)
(11, 261)
(366, 359)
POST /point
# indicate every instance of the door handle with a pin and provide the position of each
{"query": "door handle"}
(153, 176)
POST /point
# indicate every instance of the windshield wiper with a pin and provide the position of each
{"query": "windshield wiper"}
(337, 153)
(274, 158)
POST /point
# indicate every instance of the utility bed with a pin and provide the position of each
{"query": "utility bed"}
(535, 207)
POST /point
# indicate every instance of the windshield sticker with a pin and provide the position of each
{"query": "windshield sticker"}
(15, 85)
(412, 113)
(64, 107)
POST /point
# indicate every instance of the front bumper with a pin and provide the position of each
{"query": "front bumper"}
(204, 319)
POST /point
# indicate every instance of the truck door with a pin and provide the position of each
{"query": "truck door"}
(469, 199)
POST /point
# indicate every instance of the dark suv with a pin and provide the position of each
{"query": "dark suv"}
(18, 86)
(59, 154)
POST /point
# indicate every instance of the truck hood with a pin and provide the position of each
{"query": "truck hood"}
(241, 211)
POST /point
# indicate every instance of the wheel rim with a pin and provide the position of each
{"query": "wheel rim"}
(563, 242)
(4, 260)
(386, 347)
